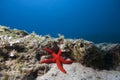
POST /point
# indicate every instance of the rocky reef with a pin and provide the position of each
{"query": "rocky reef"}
(21, 53)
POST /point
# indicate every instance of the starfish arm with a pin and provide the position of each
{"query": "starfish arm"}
(52, 60)
(59, 52)
(49, 50)
(60, 66)
(52, 52)
(65, 61)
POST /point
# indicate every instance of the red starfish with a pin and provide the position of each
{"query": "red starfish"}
(57, 58)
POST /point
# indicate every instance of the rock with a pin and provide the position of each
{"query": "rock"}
(77, 71)
(85, 52)
(112, 57)
(20, 55)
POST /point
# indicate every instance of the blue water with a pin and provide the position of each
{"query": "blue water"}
(95, 20)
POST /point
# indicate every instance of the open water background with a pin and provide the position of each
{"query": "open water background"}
(95, 20)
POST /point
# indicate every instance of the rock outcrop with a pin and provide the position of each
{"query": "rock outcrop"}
(21, 52)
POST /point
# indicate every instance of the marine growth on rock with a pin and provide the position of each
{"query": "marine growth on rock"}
(21, 52)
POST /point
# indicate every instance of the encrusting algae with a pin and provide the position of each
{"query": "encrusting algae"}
(21, 53)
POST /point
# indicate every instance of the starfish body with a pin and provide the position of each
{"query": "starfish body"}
(57, 59)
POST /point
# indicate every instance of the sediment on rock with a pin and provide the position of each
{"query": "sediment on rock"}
(21, 53)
